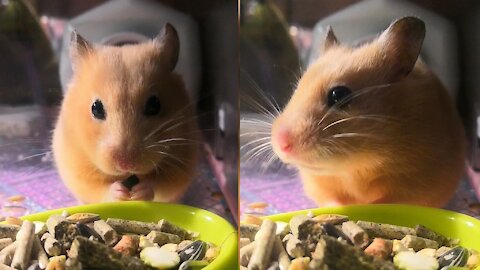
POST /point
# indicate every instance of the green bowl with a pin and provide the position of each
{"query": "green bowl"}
(447, 223)
(211, 227)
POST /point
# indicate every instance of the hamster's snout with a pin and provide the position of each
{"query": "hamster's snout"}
(282, 139)
(125, 160)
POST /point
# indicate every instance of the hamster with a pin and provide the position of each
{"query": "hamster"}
(373, 124)
(126, 113)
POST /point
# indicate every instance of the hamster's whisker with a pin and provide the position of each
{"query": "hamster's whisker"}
(352, 134)
(156, 167)
(267, 97)
(160, 127)
(256, 154)
(254, 133)
(257, 105)
(258, 147)
(363, 117)
(36, 155)
(254, 141)
(254, 121)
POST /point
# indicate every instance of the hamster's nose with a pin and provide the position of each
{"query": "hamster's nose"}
(124, 160)
(284, 140)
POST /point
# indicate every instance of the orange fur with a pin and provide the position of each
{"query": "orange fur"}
(123, 78)
(414, 155)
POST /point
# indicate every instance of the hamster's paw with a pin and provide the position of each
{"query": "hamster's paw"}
(118, 192)
(143, 191)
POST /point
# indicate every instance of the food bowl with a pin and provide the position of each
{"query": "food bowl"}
(447, 223)
(211, 227)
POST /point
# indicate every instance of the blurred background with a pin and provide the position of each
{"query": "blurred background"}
(280, 38)
(35, 69)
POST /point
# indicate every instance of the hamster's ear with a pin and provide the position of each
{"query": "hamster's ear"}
(402, 42)
(167, 41)
(79, 47)
(330, 40)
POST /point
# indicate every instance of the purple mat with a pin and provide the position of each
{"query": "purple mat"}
(26, 169)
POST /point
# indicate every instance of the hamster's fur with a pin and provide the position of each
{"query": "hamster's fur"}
(390, 134)
(94, 155)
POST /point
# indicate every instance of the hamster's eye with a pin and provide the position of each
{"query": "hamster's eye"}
(337, 94)
(152, 107)
(98, 111)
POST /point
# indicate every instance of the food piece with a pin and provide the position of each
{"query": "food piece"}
(168, 227)
(398, 247)
(51, 245)
(440, 251)
(159, 258)
(88, 231)
(39, 253)
(128, 244)
(282, 229)
(162, 238)
(418, 243)
(356, 234)
(52, 223)
(5, 267)
(252, 219)
(108, 234)
(280, 255)
(264, 239)
(295, 222)
(57, 263)
(386, 231)
(211, 254)
(24, 241)
(13, 221)
(257, 205)
(8, 231)
(380, 248)
(246, 253)
(457, 256)
(473, 260)
(331, 219)
(248, 231)
(65, 232)
(6, 255)
(295, 248)
(195, 251)
(40, 227)
(243, 242)
(170, 247)
(425, 232)
(131, 181)
(144, 242)
(333, 231)
(428, 252)
(94, 255)
(333, 254)
(124, 226)
(83, 218)
(408, 260)
(183, 244)
(4, 242)
(299, 264)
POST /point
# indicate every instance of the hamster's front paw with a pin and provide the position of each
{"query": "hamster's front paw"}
(118, 192)
(142, 191)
